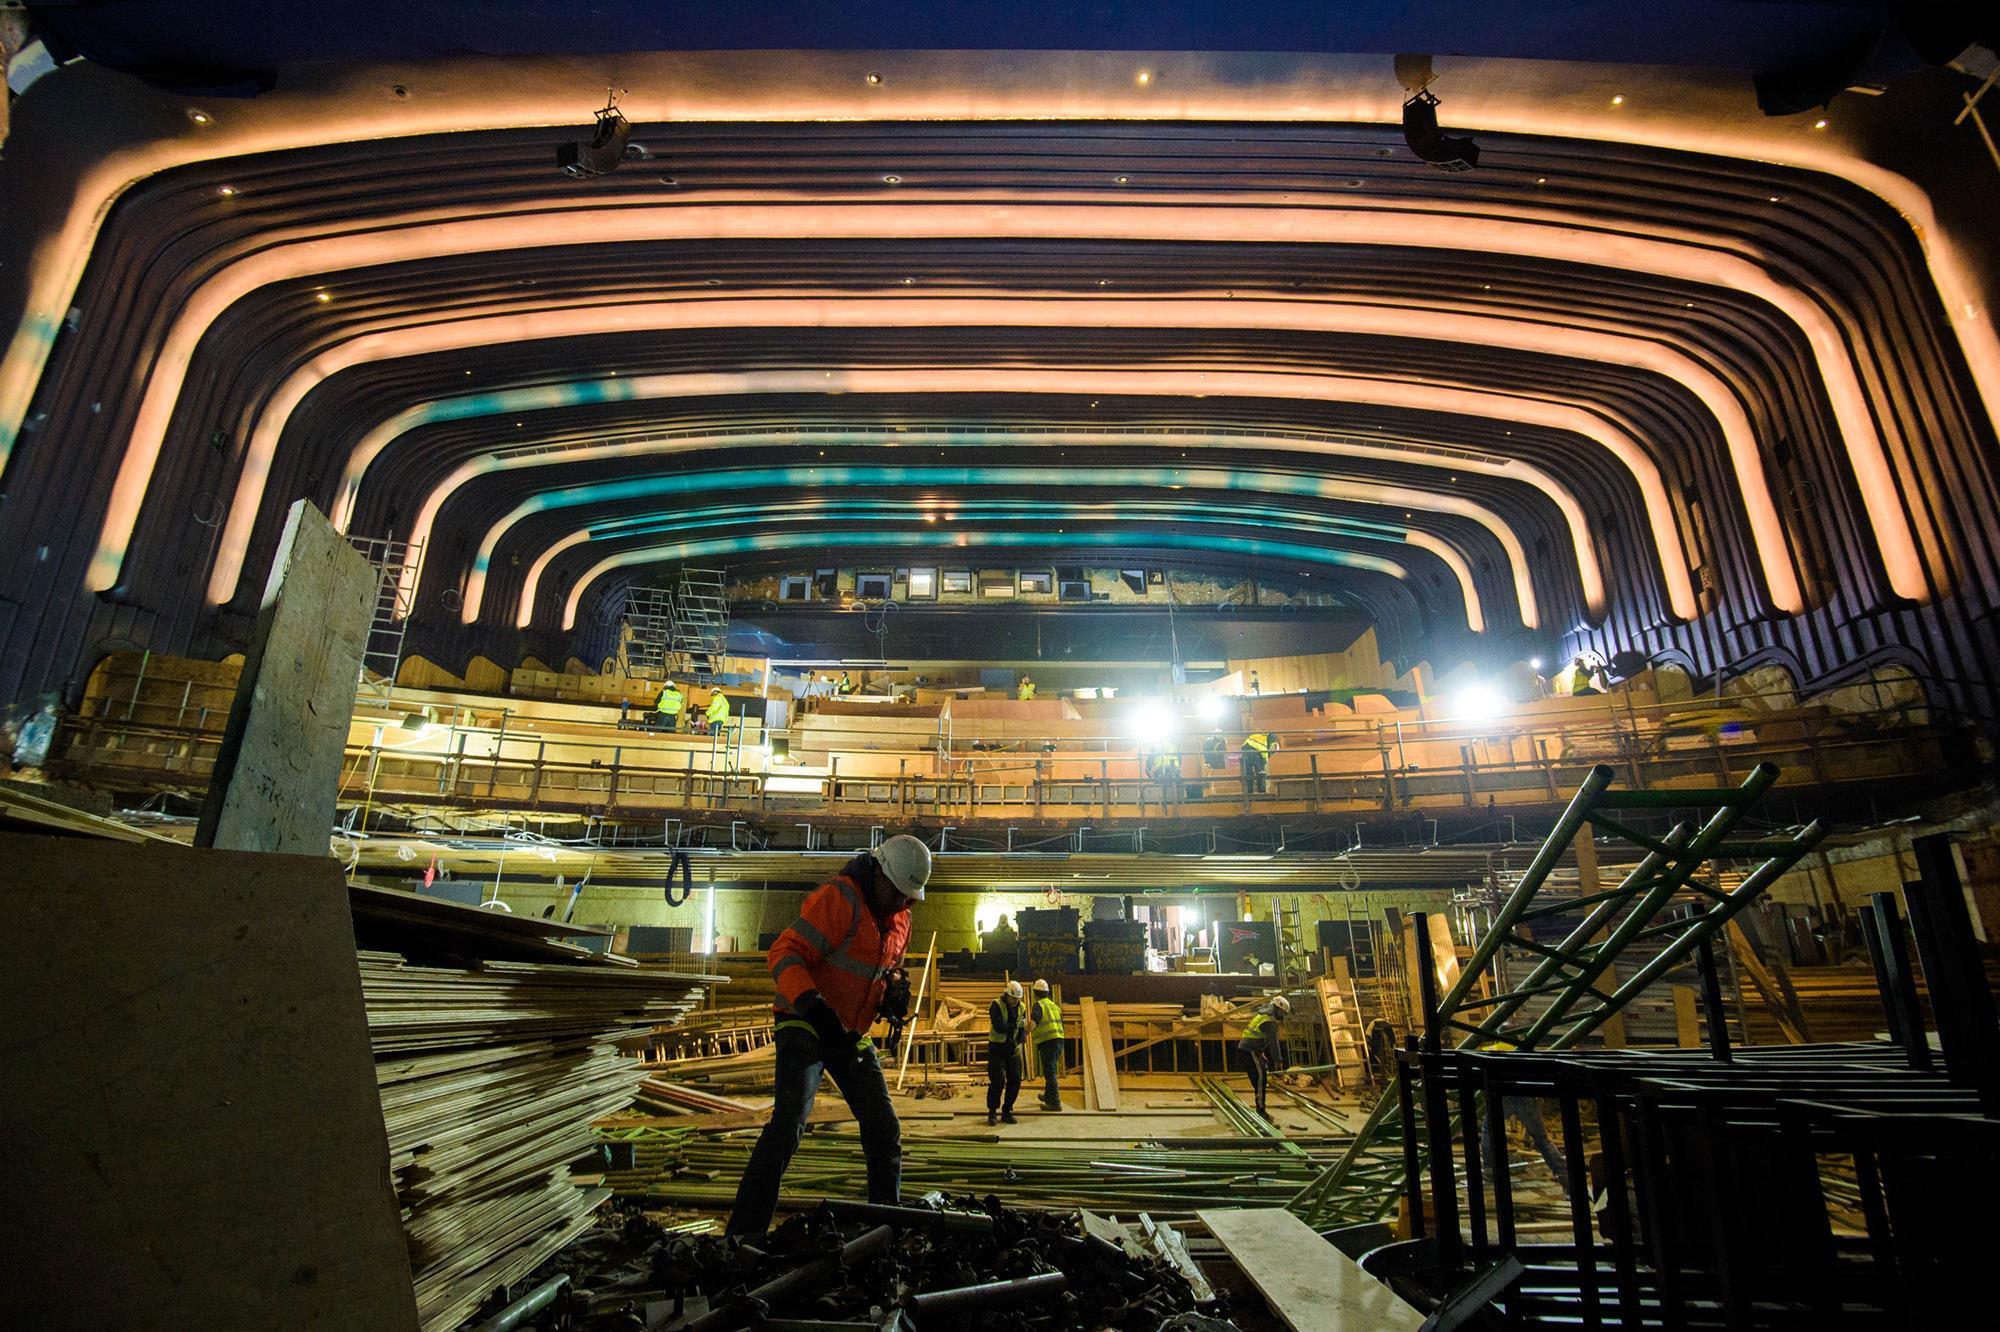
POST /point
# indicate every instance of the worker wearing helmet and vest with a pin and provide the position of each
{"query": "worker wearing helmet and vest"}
(1006, 1054)
(1024, 690)
(717, 712)
(1256, 748)
(1263, 1050)
(669, 706)
(1047, 1035)
(830, 967)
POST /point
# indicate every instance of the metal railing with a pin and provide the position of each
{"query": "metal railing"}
(1344, 765)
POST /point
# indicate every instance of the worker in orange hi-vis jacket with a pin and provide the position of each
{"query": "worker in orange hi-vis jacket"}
(831, 967)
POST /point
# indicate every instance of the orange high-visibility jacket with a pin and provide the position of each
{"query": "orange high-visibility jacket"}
(836, 947)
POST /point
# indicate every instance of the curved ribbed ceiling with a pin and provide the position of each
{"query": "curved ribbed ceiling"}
(1692, 406)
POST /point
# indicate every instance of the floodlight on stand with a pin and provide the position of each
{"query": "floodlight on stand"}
(1478, 703)
(1151, 722)
(1210, 707)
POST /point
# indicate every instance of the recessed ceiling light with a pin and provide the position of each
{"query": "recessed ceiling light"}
(873, 77)
(1104, 282)
(892, 180)
(227, 191)
(519, 424)
(1777, 198)
(1819, 124)
(1124, 180)
(468, 372)
(1143, 77)
(1618, 99)
(668, 180)
(1541, 180)
(909, 282)
(200, 117)
(322, 297)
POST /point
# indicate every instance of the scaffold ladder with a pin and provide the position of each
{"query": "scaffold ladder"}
(700, 623)
(1559, 1000)
(649, 631)
(397, 565)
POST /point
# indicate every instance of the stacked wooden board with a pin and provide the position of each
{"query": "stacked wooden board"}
(491, 1074)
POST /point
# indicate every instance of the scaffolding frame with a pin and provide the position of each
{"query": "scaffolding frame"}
(700, 623)
(397, 565)
(1365, 1183)
(649, 636)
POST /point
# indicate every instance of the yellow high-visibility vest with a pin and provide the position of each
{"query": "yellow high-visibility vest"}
(1258, 742)
(1048, 1021)
(718, 708)
(671, 701)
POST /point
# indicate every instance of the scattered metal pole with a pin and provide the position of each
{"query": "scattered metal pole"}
(521, 1310)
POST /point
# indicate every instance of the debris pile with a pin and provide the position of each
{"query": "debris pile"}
(968, 1263)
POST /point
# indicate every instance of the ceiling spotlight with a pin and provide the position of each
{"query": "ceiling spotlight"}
(227, 191)
(200, 117)
(1819, 124)
(874, 78)
(892, 180)
(323, 296)
(1446, 152)
(605, 149)
(1143, 77)
(1618, 99)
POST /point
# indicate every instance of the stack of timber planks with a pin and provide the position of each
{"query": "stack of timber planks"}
(491, 1074)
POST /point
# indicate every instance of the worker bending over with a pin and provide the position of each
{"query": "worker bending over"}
(669, 706)
(1265, 1052)
(1006, 1054)
(829, 967)
(1025, 690)
(1256, 748)
(1047, 1034)
(717, 712)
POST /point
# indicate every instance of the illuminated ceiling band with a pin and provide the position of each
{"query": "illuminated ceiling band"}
(1033, 309)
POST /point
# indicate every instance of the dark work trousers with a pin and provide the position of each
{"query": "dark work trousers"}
(799, 1065)
(1260, 1075)
(1527, 1112)
(1051, 1055)
(1003, 1077)
(1255, 765)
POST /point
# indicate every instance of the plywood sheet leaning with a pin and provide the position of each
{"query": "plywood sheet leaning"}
(194, 1134)
(1100, 1069)
(277, 773)
(1310, 1285)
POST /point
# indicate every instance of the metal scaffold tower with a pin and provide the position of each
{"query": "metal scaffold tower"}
(649, 632)
(1570, 987)
(700, 623)
(397, 565)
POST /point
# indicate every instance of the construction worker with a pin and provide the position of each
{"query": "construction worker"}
(717, 712)
(1527, 1112)
(1256, 749)
(1163, 765)
(830, 967)
(669, 706)
(1025, 690)
(1579, 679)
(1006, 1054)
(1262, 1049)
(1047, 1035)
(1256, 688)
(844, 685)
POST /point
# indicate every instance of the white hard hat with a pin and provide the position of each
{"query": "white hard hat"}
(1282, 1004)
(1042, 985)
(907, 862)
(1013, 989)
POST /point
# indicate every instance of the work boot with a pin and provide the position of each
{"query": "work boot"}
(1007, 1117)
(991, 1119)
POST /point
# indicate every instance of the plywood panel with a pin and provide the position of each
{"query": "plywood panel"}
(194, 1137)
(278, 770)
(1310, 1285)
